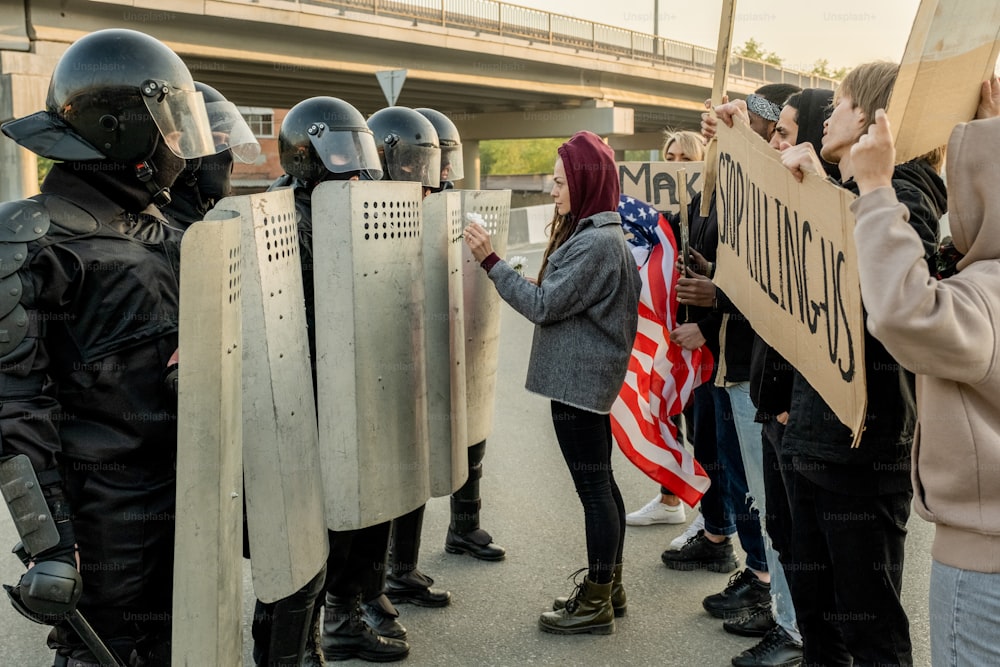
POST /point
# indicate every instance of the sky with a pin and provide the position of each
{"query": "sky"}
(845, 33)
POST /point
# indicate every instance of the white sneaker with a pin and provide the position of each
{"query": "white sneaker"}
(656, 512)
(697, 525)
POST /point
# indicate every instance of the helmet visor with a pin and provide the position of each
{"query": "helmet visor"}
(346, 150)
(416, 163)
(451, 163)
(181, 118)
(231, 132)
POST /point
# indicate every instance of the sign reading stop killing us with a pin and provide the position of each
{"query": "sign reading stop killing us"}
(656, 182)
(786, 259)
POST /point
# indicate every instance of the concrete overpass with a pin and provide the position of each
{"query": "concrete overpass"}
(498, 70)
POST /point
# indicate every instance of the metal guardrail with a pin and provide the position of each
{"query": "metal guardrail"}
(541, 27)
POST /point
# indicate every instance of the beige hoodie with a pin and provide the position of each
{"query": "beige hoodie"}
(946, 331)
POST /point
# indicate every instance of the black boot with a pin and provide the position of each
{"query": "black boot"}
(346, 636)
(313, 656)
(404, 582)
(281, 629)
(381, 617)
(464, 534)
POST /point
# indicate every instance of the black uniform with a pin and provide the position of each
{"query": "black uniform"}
(83, 395)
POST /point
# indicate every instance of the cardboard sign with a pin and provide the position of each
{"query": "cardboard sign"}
(952, 49)
(656, 182)
(786, 259)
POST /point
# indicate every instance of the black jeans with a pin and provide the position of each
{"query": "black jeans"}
(847, 571)
(779, 510)
(585, 440)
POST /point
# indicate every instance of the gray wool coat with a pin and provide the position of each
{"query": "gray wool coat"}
(585, 312)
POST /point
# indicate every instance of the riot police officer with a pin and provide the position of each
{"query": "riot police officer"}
(409, 151)
(89, 336)
(324, 139)
(452, 165)
(465, 536)
(206, 180)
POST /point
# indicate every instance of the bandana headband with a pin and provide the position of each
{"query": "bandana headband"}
(762, 107)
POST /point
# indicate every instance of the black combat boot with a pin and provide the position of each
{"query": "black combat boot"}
(404, 582)
(381, 617)
(464, 534)
(346, 636)
(281, 629)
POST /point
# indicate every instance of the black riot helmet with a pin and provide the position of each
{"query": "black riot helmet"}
(229, 129)
(326, 135)
(115, 94)
(450, 142)
(408, 146)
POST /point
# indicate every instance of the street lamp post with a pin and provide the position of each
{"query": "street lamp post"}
(656, 27)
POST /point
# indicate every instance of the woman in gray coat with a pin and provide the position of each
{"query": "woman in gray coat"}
(584, 305)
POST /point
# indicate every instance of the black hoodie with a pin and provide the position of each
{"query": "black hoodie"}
(881, 462)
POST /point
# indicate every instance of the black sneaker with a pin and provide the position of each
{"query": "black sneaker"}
(744, 593)
(757, 623)
(700, 553)
(776, 649)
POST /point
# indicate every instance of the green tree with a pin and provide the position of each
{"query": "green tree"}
(518, 156)
(822, 68)
(44, 165)
(755, 51)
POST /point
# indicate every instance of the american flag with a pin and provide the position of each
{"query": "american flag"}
(661, 375)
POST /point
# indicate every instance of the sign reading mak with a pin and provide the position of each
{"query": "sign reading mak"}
(786, 260)
(656, 182)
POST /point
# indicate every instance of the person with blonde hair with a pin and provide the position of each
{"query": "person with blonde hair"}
(683, 146)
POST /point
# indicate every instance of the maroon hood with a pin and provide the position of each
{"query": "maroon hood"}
(591, 174)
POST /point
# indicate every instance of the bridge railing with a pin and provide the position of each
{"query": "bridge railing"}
(538, 26)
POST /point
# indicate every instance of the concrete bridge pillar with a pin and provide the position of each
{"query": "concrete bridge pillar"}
(24, 82)
(471, 164)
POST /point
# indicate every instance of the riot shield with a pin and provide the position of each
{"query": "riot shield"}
(208, 573)
(281, 469)
(446, 407)
(371, 395)
(482, 311)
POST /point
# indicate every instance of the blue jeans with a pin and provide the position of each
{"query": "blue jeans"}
(733, 479)
(965, 617)
(753, 465)
(715, 507)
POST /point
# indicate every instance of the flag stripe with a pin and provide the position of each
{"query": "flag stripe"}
(661, 375)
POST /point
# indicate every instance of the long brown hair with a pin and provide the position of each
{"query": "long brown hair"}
(559, 230)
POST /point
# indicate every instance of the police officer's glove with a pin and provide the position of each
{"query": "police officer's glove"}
(170, 382)
(52, 585)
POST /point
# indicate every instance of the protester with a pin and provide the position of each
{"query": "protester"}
(584, 304)
(801, 120)
(850, 504)
(749, 589)
(684, 146)
(665, 507)
(946, 331)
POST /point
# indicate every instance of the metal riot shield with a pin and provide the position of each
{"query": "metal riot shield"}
(446, 406)
(371, 380)
(208, 572)
(281, 468)
(482, 311)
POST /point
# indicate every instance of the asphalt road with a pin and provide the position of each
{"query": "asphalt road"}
(530, 507)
